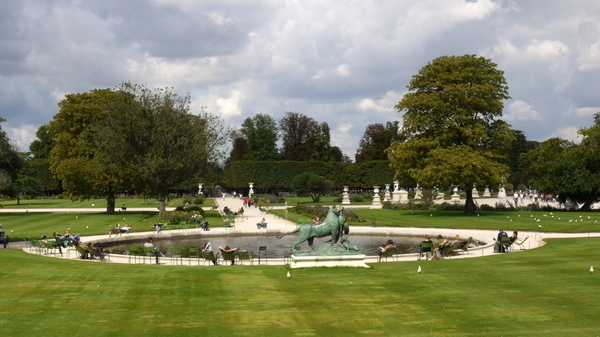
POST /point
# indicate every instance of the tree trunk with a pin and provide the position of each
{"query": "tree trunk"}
(586, 207)
(469, 203)
(110, 202)
(161, 196)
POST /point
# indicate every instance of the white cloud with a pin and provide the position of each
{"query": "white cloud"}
(568, 133)
(589, 59)
(343, 70)
(230, 107)
(23, 136)
(344, 63)
(384, 105)
(521, 111)
(587, 112)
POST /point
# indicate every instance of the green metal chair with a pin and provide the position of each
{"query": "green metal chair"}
(506, 244)
(425, 248)
(262, 252)
(388, 253)
(135, 253)
(175, 254)
(149, 252)
(229, 225)
(210, 256)
(194, 253)
(243, 255)
(520, 244)
(229, 256)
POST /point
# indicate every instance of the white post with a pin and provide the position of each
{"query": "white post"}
(345, 196)
(376, 199)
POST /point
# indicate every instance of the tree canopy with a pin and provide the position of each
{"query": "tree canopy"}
(152, 133)
(450, 122)
(10, 159)
(376, 139)
(75, 158)
(261, 133)
(568, 170)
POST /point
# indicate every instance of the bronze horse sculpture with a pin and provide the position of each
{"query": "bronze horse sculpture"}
(334, 225)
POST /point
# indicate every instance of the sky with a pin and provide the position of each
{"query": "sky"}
(343, 62)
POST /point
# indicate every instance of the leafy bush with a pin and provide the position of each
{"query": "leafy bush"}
(271, 199)
(486, 207)
(447, 207)
(199, 200)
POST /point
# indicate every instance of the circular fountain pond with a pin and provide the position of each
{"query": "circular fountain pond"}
(275, 247)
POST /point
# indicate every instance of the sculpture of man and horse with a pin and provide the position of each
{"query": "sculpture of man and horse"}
(334, 225)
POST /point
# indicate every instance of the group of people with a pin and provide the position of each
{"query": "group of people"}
(503, 241)
(67, 239)
(437, 249)
(208, 248)
(89, 251)
(118, 229)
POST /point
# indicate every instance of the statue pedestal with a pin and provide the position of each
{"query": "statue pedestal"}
(329, 261)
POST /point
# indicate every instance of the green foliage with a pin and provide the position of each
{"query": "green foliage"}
(279, 174)
(567, 170)
(261, 134)
(311, 184)
(453, 138)
(152, 133)
(376, 139)
(10, 159)
(75, 159)
(199, 200)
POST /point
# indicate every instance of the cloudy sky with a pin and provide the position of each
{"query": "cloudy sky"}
(343, 62)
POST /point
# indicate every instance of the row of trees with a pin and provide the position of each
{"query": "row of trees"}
(131, 138)
(303, 139)
(136, 138)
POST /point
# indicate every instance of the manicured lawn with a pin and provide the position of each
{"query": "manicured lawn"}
(563, 222)
(93, 203)
(543, 292)
(25, 225)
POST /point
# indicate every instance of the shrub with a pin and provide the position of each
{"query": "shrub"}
(199, 200)
(486, 207)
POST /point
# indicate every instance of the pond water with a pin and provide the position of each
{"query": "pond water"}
(275, 247)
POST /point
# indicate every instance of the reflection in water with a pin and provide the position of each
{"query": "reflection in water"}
(275, 247)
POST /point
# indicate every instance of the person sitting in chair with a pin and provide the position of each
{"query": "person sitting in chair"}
(150, 243)
(262, 224)
(425, 247)
(228, 249)
(204, 224)
(390, 244)
(499, 247)
(208, 248)
(4, 239)
(157, 227)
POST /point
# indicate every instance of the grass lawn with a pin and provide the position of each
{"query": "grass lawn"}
(543, 292)
(563, 222)
(25, 225)
(93, 203)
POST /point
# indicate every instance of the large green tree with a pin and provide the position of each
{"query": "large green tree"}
(311, 184)
(453, 135)
(376, 139)
(152, 133)
(298, 133)
(75, 158)
(10, 159)
(39, 159)
(568, 170)
(262, 134)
